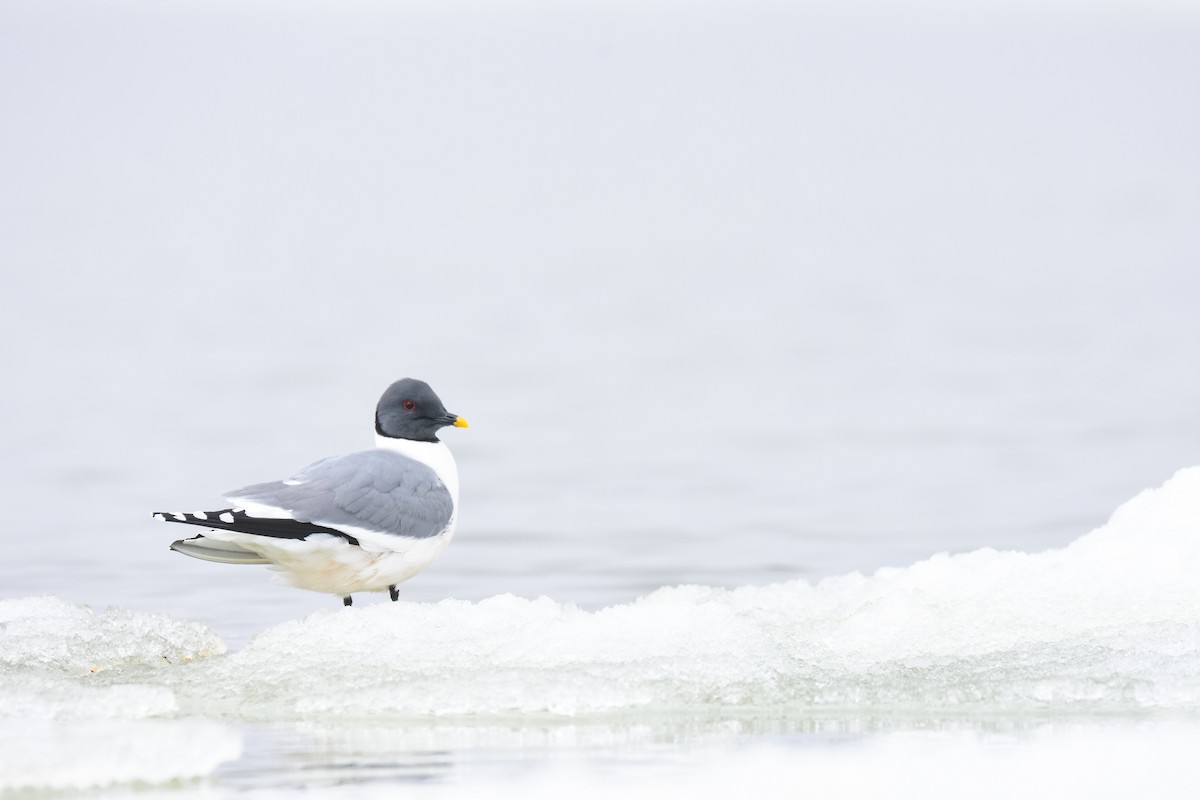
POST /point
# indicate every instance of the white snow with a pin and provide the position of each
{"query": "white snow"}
(47, 632)
(1110, 623)
(96, 753)
(64, 724)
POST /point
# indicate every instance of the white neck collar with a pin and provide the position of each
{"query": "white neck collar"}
(434, 455)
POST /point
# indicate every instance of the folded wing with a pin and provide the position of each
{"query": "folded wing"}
(377, 491)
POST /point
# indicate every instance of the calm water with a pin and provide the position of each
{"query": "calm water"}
(729, 296)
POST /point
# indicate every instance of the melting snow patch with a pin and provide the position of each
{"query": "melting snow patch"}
(71, 717)
(47, 632)
(93, 753)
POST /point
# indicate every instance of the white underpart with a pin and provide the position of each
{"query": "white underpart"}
(326, 563)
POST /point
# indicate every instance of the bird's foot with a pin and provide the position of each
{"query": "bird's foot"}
(394, 592)
(347, 600)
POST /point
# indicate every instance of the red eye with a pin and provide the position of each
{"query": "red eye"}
(409, 405)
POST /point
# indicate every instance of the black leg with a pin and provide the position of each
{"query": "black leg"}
(394, 592)
(347, 600)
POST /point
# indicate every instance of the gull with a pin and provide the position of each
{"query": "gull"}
(362, 522)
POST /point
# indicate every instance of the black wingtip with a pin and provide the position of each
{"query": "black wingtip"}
(235, 519)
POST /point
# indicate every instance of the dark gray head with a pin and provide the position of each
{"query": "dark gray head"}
(410, 410)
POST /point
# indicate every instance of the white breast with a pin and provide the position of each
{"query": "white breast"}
(434, 455)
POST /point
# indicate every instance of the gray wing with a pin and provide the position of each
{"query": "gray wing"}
(373, 489)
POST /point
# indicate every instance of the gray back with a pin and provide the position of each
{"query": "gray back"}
(379, 490)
